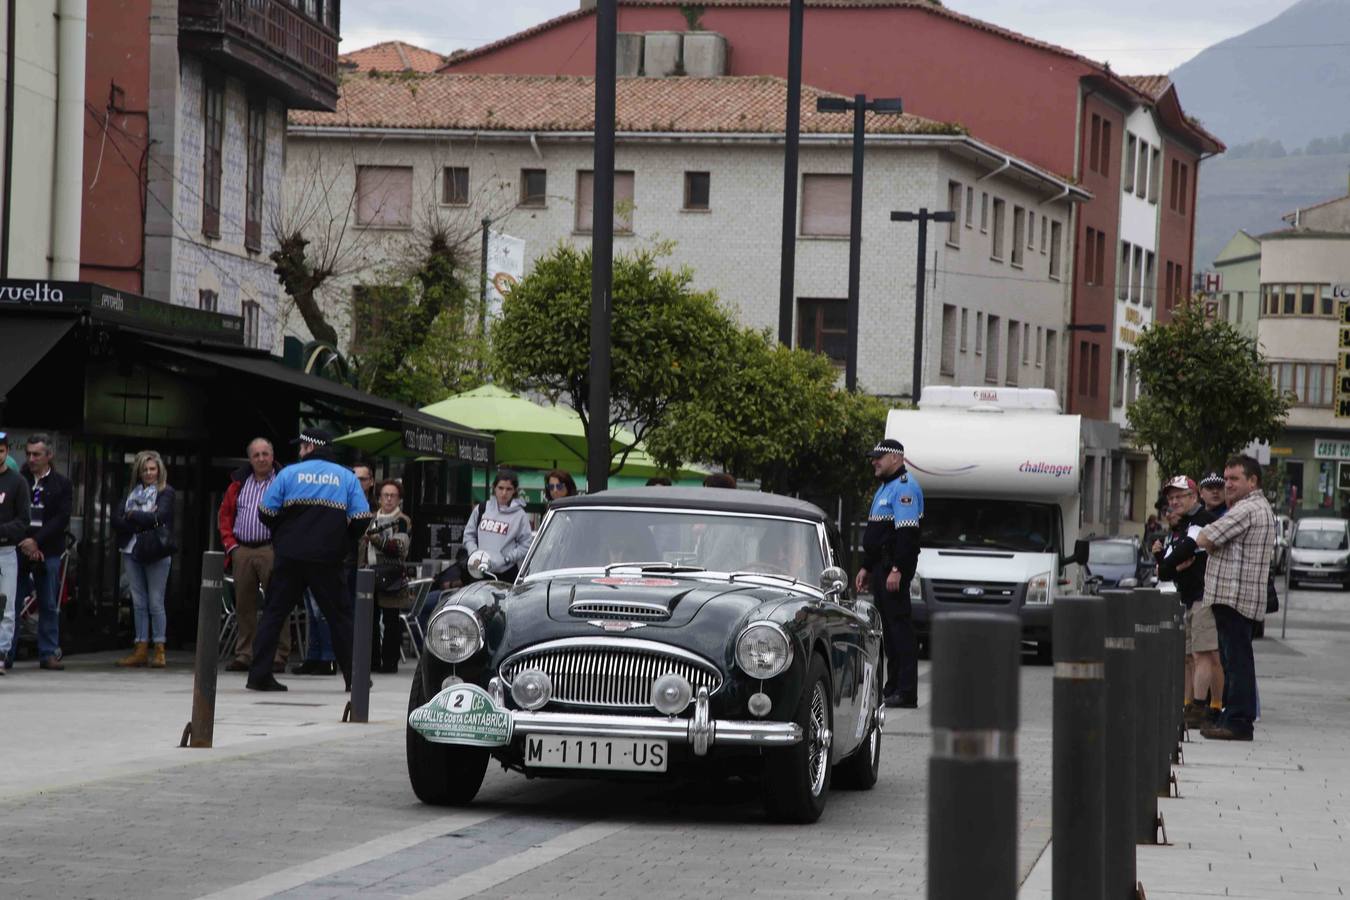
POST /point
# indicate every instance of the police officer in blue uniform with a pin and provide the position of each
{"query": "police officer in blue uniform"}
(890, 556)
(314, 508)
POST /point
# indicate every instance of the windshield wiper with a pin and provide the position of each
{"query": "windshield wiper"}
(655, 566)
(788, 578)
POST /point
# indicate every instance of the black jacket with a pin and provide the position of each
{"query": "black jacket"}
(315, 508)
(1179, 547)
(14, 516)
(129, 524)
(56, 504)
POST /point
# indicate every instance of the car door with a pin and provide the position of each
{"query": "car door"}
(852, 625)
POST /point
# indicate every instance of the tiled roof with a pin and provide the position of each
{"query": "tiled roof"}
(392, 56)
(1153, 85)
(926, 5)
(525, 103)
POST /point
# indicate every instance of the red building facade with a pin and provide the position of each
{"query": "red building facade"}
(1031, 98)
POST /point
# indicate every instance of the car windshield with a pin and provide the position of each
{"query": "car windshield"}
(1321, 539)
(1110, 553)
(980, 524)
(595, 538)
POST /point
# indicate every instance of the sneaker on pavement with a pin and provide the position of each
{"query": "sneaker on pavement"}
(52, 664)
(271, 684)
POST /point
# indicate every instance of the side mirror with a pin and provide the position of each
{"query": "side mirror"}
(834, 580)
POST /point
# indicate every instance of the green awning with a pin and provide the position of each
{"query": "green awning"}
(528, 435)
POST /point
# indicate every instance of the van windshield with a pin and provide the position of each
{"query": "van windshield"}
(1320, 539)
(980, 524)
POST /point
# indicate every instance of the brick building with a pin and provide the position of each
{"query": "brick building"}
(1056, 109)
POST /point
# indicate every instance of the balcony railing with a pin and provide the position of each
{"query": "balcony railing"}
(283, 29)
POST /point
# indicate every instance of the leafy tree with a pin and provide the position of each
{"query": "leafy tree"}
(1204, 393)
(780, 419)
(666, 338)
(426, 345)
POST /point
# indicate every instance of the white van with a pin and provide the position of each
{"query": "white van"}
(999, 468)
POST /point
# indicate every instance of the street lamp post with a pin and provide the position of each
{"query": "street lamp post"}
(791, 140)
(859, 105)
(923, 217)
(602, 245)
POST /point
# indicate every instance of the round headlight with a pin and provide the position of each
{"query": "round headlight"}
(763, 650)
(531, 689)
(671, 694)
(454, 634)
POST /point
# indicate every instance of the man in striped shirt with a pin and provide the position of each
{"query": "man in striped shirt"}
(248, 551)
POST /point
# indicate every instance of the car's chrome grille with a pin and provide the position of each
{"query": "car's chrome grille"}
(999, 593)
(614, 609)
(606, 672)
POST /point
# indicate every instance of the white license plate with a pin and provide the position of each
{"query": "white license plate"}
(560, 751)
(1316, 574)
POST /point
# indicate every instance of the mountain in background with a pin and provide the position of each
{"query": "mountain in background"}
(1279, 97)
(1286, 80)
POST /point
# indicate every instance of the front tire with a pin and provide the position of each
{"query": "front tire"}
(441, 774)
(797, 779)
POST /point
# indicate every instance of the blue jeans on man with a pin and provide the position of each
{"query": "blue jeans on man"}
(1239, 669)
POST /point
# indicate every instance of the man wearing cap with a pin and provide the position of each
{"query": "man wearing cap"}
(313, 508)
(1183, 563)
(890, 556)
(1212, 494)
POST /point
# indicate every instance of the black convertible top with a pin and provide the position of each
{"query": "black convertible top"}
(716, 499)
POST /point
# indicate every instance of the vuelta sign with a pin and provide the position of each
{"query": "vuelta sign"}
(37, 292)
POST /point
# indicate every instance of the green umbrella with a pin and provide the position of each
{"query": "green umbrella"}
(528, 435)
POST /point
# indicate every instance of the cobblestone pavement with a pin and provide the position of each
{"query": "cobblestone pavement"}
(99, 802)
(333, 816)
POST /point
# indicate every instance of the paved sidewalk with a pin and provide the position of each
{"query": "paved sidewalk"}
(1270, 818)
(95, 721)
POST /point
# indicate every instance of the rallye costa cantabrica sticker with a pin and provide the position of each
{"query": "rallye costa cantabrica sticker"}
(463, 714)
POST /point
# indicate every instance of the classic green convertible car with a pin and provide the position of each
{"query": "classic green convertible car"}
(657, 633)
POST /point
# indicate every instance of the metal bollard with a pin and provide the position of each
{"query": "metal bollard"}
(1145, 715)
(359, 706)
(1078, 810)
(972, 773)
(1166, 732)
(1120, 874)
(200, 730)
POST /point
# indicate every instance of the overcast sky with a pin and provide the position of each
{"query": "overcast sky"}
(1137, 37)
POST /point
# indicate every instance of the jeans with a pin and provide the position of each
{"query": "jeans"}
(148, 583)
(1239, 669)
(320, 646)
(46, 577)
(9, 588)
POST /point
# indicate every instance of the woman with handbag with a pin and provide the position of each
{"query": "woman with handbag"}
(386, 548)
(144, 526)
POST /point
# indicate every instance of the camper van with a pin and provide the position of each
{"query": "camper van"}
(999, 468)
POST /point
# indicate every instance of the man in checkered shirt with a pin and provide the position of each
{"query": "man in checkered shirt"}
(1240, 545)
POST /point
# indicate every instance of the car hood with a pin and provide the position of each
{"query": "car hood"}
(1302, 555)
(704, 615)
(984, 565)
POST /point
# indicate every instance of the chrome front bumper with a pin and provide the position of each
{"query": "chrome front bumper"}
(700, 731)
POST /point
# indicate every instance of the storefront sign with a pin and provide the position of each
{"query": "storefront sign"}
(417, 439)
(108, 305)
(1331, 448)
(1341, 406)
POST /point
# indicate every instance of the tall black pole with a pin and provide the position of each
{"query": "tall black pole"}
(919, 279)
(483, 281)
(792, 136)
(602, 244)
(855, 242)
